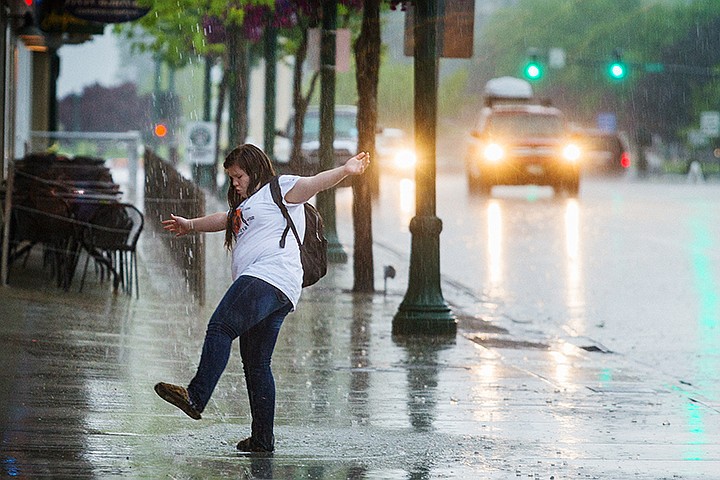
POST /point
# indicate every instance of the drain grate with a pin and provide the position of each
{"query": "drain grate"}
(595, 348)
(497, 342)
(478, 325)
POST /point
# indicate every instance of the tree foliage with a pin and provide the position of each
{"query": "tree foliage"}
(668, 103)
(173, 32)
(177, 32)
(645, 31)
(105, 109)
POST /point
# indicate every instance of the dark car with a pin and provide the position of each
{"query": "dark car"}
(604, 153)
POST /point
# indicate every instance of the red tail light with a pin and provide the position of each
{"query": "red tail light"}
(625, 160)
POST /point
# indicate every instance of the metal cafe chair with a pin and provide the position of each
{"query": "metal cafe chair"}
(110, 237)
(50, 224)
(129, 251)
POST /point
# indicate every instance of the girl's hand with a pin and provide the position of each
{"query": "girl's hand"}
(357, 164)
(178, 225)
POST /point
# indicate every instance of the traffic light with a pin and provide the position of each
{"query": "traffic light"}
(160, 130)
(617, 68)
(533, 68)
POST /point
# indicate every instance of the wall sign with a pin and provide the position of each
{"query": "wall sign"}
(201, 142)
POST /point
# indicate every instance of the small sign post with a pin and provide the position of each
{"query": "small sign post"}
(201, 142)
(201, 147)
(710, 123)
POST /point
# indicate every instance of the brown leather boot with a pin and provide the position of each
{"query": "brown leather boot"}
(179, 397)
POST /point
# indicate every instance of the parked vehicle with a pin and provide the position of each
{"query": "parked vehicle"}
(345, 140)
(395, 151)
(519, 141)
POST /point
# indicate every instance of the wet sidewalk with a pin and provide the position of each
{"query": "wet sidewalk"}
(354, 402)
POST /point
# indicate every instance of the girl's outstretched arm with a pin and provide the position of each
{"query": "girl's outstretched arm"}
(307, 187)
(215, 222)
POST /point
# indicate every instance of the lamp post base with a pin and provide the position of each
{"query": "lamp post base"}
(424, 319)
(424, 310)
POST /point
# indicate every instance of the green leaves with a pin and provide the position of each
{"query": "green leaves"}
(648, 32)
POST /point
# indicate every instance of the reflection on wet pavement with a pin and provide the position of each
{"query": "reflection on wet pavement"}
(353, 401)
(78, 399)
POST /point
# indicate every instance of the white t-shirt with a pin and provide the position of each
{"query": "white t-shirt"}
(257, 251)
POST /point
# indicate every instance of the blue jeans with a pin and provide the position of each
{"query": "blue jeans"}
(253, 310)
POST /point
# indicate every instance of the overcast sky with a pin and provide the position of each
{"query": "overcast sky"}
(95, 61)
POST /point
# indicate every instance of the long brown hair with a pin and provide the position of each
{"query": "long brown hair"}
(258, 167)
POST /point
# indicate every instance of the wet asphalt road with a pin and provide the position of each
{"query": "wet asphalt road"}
(517, 394)
(630, 266)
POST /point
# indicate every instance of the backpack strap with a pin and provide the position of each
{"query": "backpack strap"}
(277, 198)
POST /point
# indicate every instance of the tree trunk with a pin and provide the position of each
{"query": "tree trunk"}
(300, 104)
(222, 88)
(367, 59)
(237, 72)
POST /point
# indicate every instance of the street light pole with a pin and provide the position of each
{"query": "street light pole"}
(326, 199)
(423, 310)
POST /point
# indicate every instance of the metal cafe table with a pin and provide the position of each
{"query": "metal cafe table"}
(69, 206)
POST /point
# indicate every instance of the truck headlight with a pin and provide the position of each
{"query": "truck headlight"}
(571, 153)
(404, 159)
(493, 152)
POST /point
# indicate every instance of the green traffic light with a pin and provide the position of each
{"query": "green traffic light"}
(617, 70)
(533, 71)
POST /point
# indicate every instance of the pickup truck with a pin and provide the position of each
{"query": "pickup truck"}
(519, 141)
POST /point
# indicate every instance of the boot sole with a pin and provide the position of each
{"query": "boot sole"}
(175, 399)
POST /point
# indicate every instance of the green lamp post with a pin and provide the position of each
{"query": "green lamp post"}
(423, 309)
